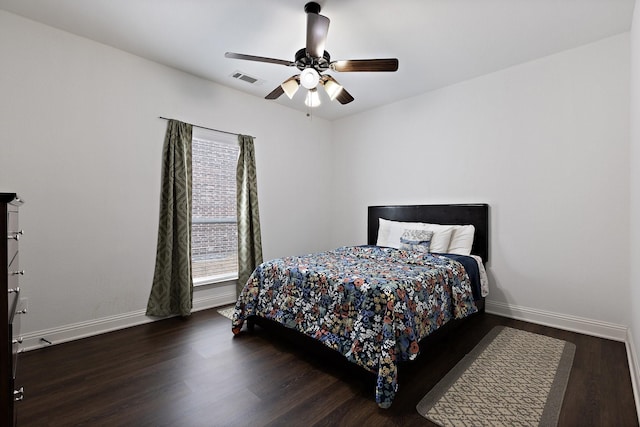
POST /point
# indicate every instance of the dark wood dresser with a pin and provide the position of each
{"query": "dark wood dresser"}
(10, 339)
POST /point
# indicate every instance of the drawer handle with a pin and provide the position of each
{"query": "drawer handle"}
(18, 394)
(18, 272)
(16, 235)
(18, 341)
(14, 290)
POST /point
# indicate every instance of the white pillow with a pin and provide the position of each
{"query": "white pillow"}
(384, 228)
(389, 233)
(461, 240)
(441, 237)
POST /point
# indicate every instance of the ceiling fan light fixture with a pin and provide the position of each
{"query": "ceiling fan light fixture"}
(332, 88)
(312, 61)
(290, 87)
(313, 98)
(309, 78)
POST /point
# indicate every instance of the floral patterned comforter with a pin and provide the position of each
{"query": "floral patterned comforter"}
(372, 304)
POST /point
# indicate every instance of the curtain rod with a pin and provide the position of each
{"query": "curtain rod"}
(204, 127)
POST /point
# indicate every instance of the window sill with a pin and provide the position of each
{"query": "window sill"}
(212, 280)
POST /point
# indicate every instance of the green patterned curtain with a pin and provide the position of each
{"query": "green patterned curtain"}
(172, 289)
(249, 240)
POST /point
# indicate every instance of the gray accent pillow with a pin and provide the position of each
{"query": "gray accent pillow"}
(416, 240)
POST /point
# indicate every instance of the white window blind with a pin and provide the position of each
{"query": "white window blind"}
(214, 251)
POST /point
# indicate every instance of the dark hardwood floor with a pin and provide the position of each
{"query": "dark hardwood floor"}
(193, 372)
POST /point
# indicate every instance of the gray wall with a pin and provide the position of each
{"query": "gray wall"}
(546, 144)
(81, 142)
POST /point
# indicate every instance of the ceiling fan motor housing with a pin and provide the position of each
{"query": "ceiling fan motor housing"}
(303, 60)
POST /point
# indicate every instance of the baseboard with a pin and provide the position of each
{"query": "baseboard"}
(227, 295)
(634, 369)
(561, 321)
(31, 341)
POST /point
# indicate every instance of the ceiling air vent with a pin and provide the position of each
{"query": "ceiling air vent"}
(246, 78)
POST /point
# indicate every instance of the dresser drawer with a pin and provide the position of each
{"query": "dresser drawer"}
(13, 236)
(12, 219)
(16, 339)
(12, 258)
(14, 273)
(12, 250)
(13, 294)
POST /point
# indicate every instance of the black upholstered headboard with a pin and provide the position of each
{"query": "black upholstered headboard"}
(462, 214)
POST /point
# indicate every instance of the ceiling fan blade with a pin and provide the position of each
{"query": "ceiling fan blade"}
(344, 97)
(233, 55)
(275, 94)
(388, 64)
(317, 29)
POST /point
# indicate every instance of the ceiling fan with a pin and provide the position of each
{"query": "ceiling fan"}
(313, 61)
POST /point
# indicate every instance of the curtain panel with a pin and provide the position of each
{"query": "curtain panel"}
(249, 240)
(172, 288)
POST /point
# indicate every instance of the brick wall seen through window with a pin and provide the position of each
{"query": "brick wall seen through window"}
(214, 230)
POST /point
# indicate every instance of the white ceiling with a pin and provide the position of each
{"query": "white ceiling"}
(437, 42)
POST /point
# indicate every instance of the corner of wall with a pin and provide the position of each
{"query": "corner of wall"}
(632, 341)
(634, 369)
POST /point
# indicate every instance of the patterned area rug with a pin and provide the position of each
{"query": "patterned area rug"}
(227, 311)
(511, 377)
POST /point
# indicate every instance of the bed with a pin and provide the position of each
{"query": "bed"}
(375, 303)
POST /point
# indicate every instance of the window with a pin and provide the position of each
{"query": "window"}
(214, 251)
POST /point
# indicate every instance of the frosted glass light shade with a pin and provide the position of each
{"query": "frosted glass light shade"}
(290, 87)
(309, 78)
(332, 88)
(313, 98)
